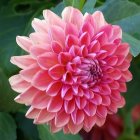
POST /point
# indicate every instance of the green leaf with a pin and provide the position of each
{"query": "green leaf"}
(134, 43)
(133, 95)
(24, 125)
(7, 95)
(89, 5)
(7, 127)
(75, 3)
(45, 134)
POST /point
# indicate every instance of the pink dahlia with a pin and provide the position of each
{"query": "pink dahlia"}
(74, 72)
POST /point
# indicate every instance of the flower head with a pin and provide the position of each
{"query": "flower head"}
(75, 70)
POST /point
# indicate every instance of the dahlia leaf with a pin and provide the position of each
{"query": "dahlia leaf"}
(45, 134)
(75, 3)
(7, 95)
(89, 6)
(132, 96)
(7, 127)
(134, 44)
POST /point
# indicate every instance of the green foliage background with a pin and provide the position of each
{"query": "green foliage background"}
(15, 19)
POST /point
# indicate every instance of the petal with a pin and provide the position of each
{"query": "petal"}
(110, 48)
(106, 100)
(28, 73)
(55, 104)
(99, 20)
(89, 122)
(57, 34)
(24, 42)
(112, 60)
(47, 60)
(44, 116)
(37, 50)
(85, 39)
(32, 113)
(97, 99)
(94, 46)
(123, 49)
(127, 75)
(105, 90)
(115, 74)
(102, 111)
(41, 100)
(77, 116)
(100, 121)
(80, 102)
(18, 84)
(56, 47)
(23, 61)
(52, 18)
(70, 15)
(123, 87)
(71, 40)
(56, 72)
(53, 88)
(40, 38)
(69, 106)
(40, 25)
(41, 80)
(27, 96)
(61, 119)
(74, 129)
(90, 109)
(71, 29)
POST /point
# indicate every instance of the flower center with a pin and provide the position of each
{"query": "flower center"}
(90, 72)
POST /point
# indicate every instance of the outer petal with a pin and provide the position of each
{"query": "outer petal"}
(72, 15)
(41, 80)
(18, 84)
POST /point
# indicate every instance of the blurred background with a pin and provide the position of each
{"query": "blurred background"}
(15, 19)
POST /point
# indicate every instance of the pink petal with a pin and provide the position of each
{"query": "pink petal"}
(112, 60)
(47, 60)
(124, 66)
(99, 20)
(40, 38)
(28, 73)
(56, 47)
(115, 95)
(56, 72)
(89, 122)
(102, 111)
(97, 99)
(127, 75)
(100, 121)
(41, 100)
(41, 80)
(70, 15)
(71, 40)
(94, 46)
(37, 50)
(115, 74)
(61, 119)
(80, 102)
(77, 116)
(32, 113)
(74, 129)
(69, 106)
(110, 48)
(27, 96)
(87, 27)
(123, 49)
(114, 85)
(90, 109)
(55, 104)
(123, 87)
(40, 25)
(53, 19)
(18, 84)
(53, 88)
(117, 32)
(57, 34)
(71, 29)
(24, 42)
(106, 100)
(23, 61)
(105, 90)
(44, 116)
(85, 39)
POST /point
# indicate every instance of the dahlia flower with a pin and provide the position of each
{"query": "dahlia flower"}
(111, 130)
(74, 72)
